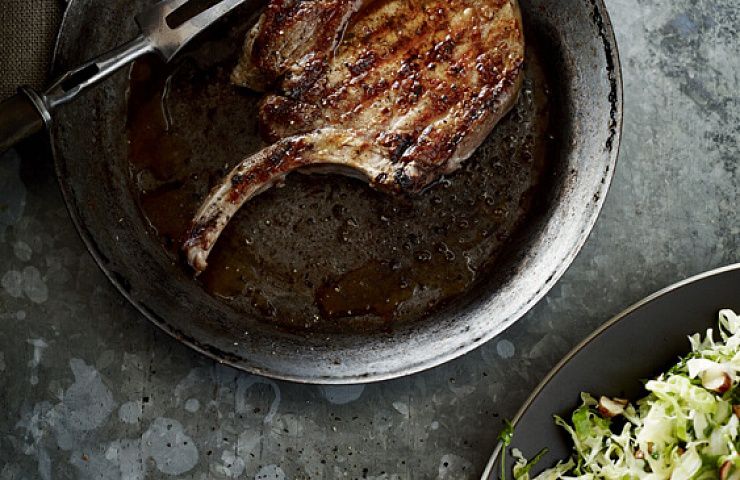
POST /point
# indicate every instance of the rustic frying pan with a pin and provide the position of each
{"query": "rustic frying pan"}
(89, 138)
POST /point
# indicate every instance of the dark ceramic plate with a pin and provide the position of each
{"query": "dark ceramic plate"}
(639, 343)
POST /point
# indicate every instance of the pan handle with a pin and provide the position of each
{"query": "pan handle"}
(19, 118)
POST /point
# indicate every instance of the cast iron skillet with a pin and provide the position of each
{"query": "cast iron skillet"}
(89, 146)
(641, 342)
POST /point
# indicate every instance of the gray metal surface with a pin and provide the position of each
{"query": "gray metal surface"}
(89, 388)
(98, 194)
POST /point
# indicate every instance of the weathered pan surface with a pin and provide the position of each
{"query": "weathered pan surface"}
(572, 50)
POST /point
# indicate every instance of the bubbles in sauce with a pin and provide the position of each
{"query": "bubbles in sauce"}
(327, 253)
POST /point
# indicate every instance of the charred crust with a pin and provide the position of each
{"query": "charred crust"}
(409, 66)
(457, 68)
(196, 235)
(281, 117)
(397, 144)
(310, 73)
(241, 179)
(442, 51)
(285, 154)
(276, 158)
(381, 178)
(373, 90)
(401, 149)
(239, 183)
(403, 181)
(237, 180)
(364, 63)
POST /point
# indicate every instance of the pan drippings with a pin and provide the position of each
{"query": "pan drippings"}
(327, 253)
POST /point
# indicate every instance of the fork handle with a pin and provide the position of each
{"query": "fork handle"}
(19, 119)
(75, 81)
(28, 112)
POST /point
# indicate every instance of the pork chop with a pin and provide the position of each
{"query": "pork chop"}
(408, 93)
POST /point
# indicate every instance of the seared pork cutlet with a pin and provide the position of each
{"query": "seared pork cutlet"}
(409, 93)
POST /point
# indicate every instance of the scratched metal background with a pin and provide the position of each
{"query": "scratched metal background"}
(91, 390)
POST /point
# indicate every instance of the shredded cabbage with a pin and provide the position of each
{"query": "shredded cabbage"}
(686, 428)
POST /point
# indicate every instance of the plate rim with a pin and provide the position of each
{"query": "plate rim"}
(589, 339)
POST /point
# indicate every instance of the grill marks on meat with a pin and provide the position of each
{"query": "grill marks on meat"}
(409, 93)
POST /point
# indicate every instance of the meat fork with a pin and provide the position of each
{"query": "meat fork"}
(165, 28)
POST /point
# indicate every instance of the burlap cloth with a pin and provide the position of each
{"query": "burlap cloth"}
(27, 32)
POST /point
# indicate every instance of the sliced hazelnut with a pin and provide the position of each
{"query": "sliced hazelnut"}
(650, 447)
(639, 454)
(724, 470)
(611, 407)
(719, 382)
(736, 410)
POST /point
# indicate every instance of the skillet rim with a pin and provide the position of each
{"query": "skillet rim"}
(493, 460)
(607, 37)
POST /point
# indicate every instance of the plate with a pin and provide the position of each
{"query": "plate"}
(639, 343)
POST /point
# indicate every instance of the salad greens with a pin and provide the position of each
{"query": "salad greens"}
(685, 428)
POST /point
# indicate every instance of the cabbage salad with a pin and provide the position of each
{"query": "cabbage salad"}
(685, 428)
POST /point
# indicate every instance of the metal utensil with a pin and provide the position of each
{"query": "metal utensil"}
(165, 28)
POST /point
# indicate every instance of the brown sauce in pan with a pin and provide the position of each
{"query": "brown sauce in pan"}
(327, 253)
